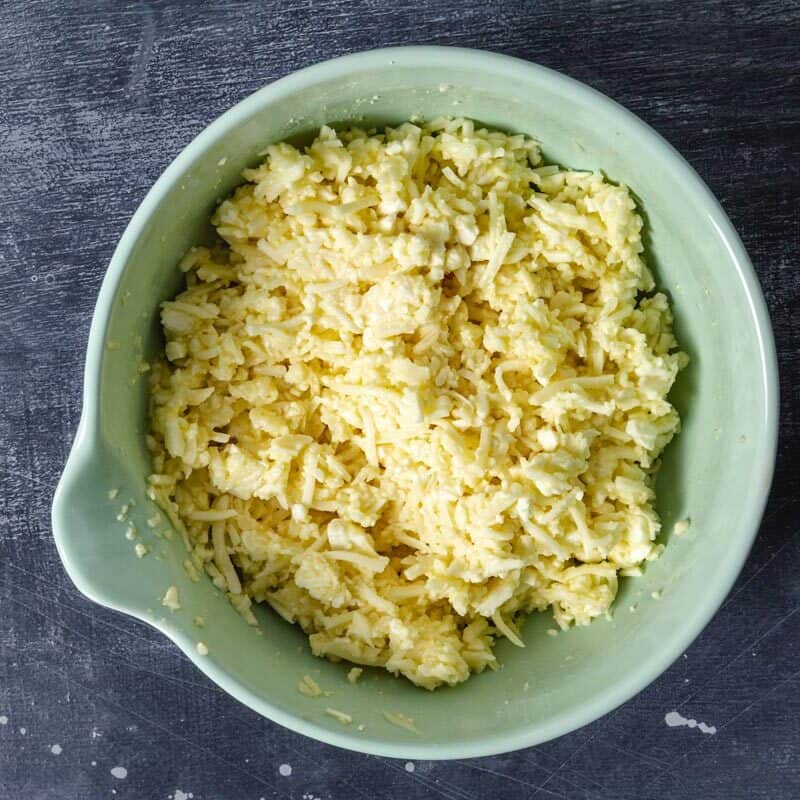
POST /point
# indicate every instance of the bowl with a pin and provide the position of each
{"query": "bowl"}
(717, 472)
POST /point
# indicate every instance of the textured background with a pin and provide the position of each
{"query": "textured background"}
(95, 100)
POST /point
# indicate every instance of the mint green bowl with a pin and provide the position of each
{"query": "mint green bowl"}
(717, 472)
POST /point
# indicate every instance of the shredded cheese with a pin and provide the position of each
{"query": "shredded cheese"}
(354, 674)
(309, 687)
(417, 391)
(340, 716)
(170, 599)
(400, 721)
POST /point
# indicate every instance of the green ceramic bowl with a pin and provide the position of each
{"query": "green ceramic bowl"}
(717, 471)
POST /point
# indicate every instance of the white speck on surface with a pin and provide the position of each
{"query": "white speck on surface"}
(96, 732)
(112, 493)
(94, 763)
(119, 772)
(202, 648)
(285, 770)
(3, 719)
(179, 795)
(222, 161)
(55, 749)
(23, 731)
(409, 766)
(130, 534)
(552, 632)
(675, 720)
(656, 595)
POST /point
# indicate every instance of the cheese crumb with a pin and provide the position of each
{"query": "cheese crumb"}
(310, 688)
(681, 527)
(202, 649)
(341, 716)
(354, 674)
(170, 599)
(401, 721)
(141, 550)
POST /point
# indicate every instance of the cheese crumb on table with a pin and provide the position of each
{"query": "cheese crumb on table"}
(416, 391)
(141, 550)
(354, 674)
(202, 648)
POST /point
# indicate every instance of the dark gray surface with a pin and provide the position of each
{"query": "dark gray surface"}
(95, 100)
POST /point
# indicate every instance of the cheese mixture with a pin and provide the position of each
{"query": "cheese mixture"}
(417, 391)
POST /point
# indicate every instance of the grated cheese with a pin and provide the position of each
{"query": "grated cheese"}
(340, 716)
(681, 527)
(310, 688)
(170, 599)
(141, 550)
(354, 674)
(401, 721)
(417, 391)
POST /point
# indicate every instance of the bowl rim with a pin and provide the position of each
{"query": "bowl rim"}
(654, 663)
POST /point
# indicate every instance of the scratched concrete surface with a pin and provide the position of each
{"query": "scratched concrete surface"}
(95, 100)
